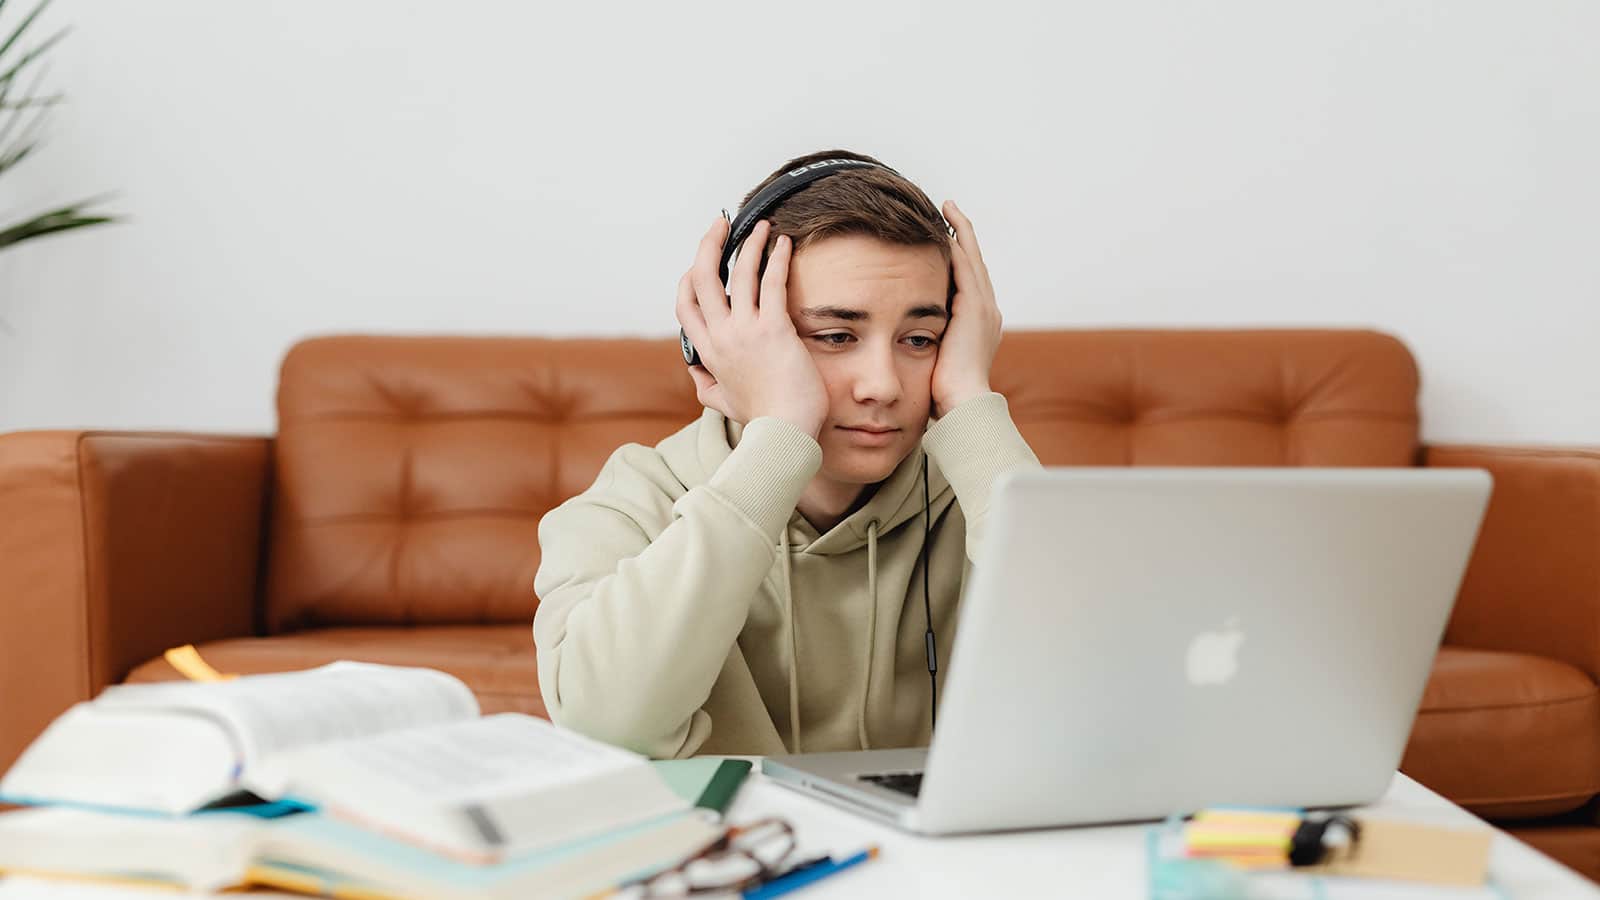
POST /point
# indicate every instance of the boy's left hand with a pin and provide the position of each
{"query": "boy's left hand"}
(966, 352)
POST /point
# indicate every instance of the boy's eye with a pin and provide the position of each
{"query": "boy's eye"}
(840, 338)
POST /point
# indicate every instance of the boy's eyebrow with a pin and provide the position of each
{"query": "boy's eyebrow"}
(929, 311)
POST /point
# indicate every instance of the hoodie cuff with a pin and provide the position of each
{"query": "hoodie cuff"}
(767, 472)
(974, 444)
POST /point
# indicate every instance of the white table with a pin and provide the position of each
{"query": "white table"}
(1097, 863)
(1101, 863)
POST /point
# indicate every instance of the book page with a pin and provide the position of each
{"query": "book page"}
(501, 784)
(128, 759)
(462, 762)
(269, 714)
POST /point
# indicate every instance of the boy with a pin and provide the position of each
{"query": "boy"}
(751, 584)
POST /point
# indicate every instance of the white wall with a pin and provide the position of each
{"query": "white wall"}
(299, 167)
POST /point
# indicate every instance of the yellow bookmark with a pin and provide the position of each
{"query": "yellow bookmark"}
(187, 661)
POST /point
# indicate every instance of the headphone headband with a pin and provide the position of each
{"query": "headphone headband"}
(775, 193)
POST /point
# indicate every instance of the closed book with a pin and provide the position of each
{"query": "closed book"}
(320, 855)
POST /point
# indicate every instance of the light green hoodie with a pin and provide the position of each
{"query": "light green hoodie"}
(686, 607)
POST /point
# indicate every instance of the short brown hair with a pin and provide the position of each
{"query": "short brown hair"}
(874, 202)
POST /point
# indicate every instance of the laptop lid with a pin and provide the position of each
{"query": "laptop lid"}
(1140, 642)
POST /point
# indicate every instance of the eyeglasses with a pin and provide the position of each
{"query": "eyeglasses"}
(741, 858)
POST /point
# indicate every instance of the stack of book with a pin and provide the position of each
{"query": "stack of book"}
(351, 779)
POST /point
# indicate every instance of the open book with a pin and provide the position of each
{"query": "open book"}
(401, 751)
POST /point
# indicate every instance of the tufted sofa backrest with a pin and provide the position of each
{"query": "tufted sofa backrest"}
(411, 472)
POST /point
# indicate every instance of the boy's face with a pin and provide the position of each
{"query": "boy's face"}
(871, 313)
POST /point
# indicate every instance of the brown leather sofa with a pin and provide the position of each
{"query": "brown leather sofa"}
(393, 518)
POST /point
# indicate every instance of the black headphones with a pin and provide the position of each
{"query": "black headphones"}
(759, 206)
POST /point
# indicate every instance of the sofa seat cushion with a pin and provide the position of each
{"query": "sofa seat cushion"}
(496, 661)
(1575, 846)
(1507, 735)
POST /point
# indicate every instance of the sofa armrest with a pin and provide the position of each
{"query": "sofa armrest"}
(113, 547)
(1533, 584)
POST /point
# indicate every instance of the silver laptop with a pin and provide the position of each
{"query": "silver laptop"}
(1136, 643)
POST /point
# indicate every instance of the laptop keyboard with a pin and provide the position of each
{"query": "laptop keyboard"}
(904, 782)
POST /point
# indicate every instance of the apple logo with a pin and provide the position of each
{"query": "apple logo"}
(1214, 655)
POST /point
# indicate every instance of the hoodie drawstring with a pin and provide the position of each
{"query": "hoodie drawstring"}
(872, 630)
(794, 646)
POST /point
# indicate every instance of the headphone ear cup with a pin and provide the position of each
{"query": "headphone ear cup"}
(729, 254)
(691, 356)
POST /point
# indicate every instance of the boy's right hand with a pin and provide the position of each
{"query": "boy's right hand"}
(753, 361)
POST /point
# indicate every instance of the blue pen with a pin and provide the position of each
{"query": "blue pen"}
(799, 879)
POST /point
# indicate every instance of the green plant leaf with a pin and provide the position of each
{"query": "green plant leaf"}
(26, 102)
(25, 142)
(28, 20)
(67, 218)
(33, 54)
(10, 158)
(30, 132)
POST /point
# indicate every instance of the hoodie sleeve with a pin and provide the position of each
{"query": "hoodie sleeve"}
(973, 445)
(642, 598)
